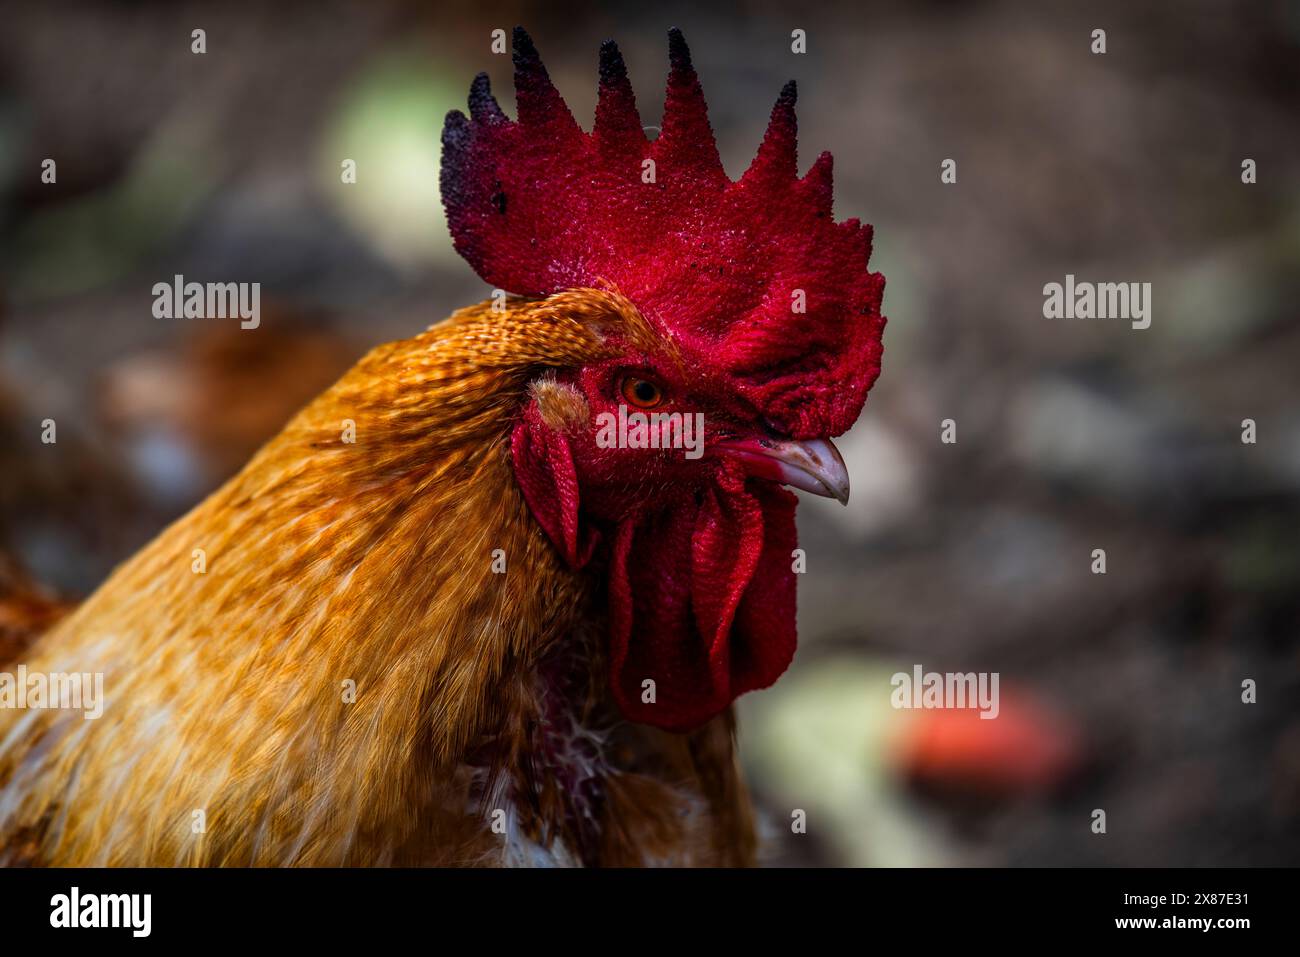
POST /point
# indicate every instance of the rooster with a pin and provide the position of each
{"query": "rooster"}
(436, 620)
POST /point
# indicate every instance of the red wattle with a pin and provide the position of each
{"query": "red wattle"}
(702, 603)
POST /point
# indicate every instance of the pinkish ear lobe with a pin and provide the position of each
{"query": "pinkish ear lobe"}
(544, 470)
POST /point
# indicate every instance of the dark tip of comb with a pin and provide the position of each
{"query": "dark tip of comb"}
(525, 53)
(482, 104)
(612, 67)
(455, 130)
(789, 93)
(679, 54)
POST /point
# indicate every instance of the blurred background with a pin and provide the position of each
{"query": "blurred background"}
(1120, 692)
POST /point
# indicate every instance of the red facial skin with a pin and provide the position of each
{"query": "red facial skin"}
(701, 589)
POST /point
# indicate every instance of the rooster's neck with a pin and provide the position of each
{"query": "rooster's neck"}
(309, 655)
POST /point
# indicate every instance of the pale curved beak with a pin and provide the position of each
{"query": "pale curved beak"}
(813, 465)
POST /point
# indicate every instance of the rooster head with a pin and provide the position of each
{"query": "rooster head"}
(743, 332)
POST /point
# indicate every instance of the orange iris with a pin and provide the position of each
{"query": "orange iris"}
(641, 393)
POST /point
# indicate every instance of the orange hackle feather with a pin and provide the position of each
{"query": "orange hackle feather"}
(230, 645)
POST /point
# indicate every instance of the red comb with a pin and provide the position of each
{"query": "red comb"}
(536, 206)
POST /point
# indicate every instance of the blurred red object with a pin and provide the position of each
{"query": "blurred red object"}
(1028, 748)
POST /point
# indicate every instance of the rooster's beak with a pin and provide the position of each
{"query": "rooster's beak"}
(813, 465)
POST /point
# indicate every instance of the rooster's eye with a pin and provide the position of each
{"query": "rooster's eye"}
(641, 393)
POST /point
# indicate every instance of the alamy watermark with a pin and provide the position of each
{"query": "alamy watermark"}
(651, 430)
(1098, 300)
(57, 690)
(74, 909)
(933, 689)
(214, 300)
